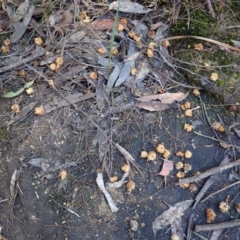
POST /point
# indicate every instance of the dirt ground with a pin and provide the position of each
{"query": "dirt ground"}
(50, 160)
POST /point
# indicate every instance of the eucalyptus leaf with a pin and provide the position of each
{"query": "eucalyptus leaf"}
(29, 84)
(13, 94)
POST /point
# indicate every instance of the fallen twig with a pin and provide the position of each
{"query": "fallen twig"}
(222, 143)
(110, 201)
(212, 194)
(210, 8)
(189, 229)
(204, 39)
(200, 236)
(209, 172)
(217, 226)
(216, 234)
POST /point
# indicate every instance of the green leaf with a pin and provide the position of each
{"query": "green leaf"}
(29, 84)
(13, 94)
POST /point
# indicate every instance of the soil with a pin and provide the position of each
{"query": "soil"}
(41, 208)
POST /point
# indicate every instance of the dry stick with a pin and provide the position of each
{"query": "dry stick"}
(209, 172)
(23, 61)
(212, 194)
(217, 226)
(210, 8)
(222, 143)
(204, 39)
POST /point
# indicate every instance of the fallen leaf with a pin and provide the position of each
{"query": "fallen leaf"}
(103, 24)
(153, 106)
(21, 11)
(167, 98)
(166, 168)
(129, 7)
(169, 216)
(198, 47)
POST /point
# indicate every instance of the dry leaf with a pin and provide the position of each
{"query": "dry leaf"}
(103, 24)
(214, 77)
(169, 216)
(128, 7)
(38, 41)
(167, 98)
(39, 110)
(198, 47)
(153, 106)
(63, 174)
(15, 108)
(166, 168)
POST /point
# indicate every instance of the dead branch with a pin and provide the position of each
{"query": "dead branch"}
(212, 194)
(204, 39)
(217, 226)
(210, 8)
(209, 172)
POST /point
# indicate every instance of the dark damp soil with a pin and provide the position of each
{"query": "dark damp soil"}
(44, 207)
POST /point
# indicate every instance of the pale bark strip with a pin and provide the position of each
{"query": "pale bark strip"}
(209, 172)
(217, 226)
